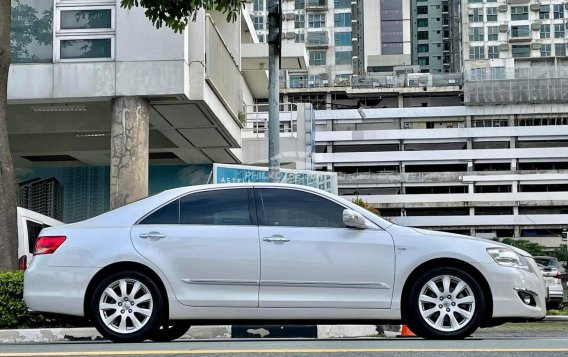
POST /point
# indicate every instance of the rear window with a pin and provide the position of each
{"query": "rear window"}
(547, 262)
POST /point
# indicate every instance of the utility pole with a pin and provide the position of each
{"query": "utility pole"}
(274, 42)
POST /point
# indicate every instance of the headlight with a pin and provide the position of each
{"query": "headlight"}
(508, 258)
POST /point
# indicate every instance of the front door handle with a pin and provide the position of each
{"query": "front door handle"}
(152, 235)
(276, 238)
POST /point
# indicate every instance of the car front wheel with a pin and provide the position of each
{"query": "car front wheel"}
(445, 303)
(126, 307)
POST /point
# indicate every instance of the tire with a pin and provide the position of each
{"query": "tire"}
(170, 331)
(429, 311)
(121, 314)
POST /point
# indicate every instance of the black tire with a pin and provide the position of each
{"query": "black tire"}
(153, 309)
(446, 308)
(170, 331)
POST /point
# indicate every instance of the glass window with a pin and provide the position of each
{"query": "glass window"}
(258, 22)
(559, 30)
(422, 23)
(491, 14)
(544, 31)
(521, 51)
(520, 31)
(299, 21)
(342, 4)
(493, 51)
(492, 33)
(343, 57)
(476, 52)
(422, 10)
(342, 20)
(558, 11)
(316, 20)
(299, 4)
(424, 61)
(299, 37)
(422, 35)
(85, 19)
(31, 31)
(476, 34)
(477, 15)
(298, 81)
(519, 13)
(293, 208)
(85, 48)
(318, 58)
(560, 49)
(168, 214)
(258, 5)
(545, 50)
(343, 38)
(220, 207)
(422, 48)
(544, 12)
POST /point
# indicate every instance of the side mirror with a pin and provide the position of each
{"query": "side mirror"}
(354, 219)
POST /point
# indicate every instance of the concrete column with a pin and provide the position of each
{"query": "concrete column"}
(328, 101)
(512, 120)
(472, 231)
(468, 121)
(469, 144)
(513, 143)
(130, 131)
(515, 187)
(470, 188)
(470, 166)
(472, 211)
(513, 164)
(517, 232)
(400, 101)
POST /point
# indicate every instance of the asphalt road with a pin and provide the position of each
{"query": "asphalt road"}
(485, 346)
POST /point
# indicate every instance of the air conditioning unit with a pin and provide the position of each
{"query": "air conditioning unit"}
(504, 47)
(535, 26)
(503, 8)
(535, 7)
(290, 35)
(535, 45)
(503, 28)
(289, 16)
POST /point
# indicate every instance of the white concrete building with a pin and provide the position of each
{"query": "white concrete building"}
(492, 171)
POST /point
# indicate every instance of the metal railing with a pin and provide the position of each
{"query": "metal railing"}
(256, 123)
(222, 68)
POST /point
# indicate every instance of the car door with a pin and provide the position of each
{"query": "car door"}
(207, 245)
(310, 259)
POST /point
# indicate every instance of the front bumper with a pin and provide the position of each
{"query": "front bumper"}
(57, 290)
(507, 284)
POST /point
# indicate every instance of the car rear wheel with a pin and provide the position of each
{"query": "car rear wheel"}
(127, 307)
(445, 303)
(170, 331)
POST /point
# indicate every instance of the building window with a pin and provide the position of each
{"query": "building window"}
(422, 23)
(491, 14)
(519, 13)
(316, 20)
(83, 48)
(258, 22)
(343, 57)
(476, 34)
(342, 20)
(493, 51)
(477, 74)
(318, 58)
(560, 49)
(298, 81)
(520, 31)
(558, 11)
(476, 52)
(299, 37)
(343, 38)
(32, 36)
(422, 35)
(342, 4)
(422, 10)
(423, 48)
(424, 61)
(544, 31)
(492, 33)
(477, 15)
(299, 21)
(544, 12)
(498, 73)
(85, 19)
(559, 30)
(545, 50)
(299, 4)
(521, 51)
(258, 5)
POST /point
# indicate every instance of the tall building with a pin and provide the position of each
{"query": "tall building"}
(431, 35)
(42, 196)
(86, 192)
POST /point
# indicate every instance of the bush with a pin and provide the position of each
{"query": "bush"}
(13, 311)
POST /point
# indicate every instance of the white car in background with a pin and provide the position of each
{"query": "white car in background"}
(273, 253)
(549, 267)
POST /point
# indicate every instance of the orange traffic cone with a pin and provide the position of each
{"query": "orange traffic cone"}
(405, 332)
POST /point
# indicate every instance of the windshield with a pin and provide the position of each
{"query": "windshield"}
(547, 262)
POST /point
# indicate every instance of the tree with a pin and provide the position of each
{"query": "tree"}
(175, 14)
(533, 248)
(562, 254)
(359, 202)
(8, 228)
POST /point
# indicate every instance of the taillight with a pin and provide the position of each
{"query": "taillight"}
(48, 245)
(23, 263)
(558, 276)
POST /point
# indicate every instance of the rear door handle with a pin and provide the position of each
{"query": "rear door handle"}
(276, 238)
(152, 235)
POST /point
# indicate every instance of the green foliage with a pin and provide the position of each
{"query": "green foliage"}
(528, 246)
(359, 202)
(175, 13)
(13, 311)
(562, 254)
